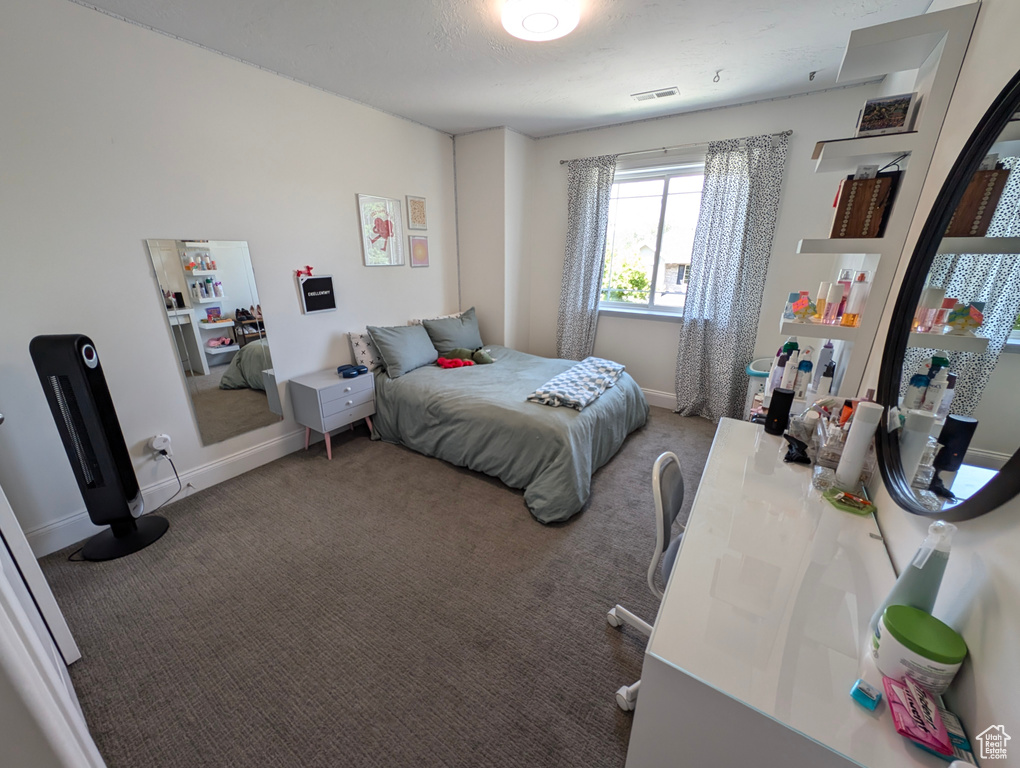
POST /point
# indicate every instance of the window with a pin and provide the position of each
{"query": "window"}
(653, 213)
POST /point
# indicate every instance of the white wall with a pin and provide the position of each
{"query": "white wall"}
(517, 190)
(980, 595)
(648, 347)
(481, 217)
(996, 434)
(113, 134)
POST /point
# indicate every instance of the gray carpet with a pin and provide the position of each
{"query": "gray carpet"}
(225, 413)
(383, 609)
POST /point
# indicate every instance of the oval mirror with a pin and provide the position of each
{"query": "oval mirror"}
(951, 362)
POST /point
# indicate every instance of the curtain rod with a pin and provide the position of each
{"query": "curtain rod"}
(669, 149)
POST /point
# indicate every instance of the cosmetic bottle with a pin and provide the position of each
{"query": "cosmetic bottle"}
(790, 345)
(846, 279)
(769, 386)
(947, 398)
(916, 387)
(833, 302)
(936, 389)
(823, 292)
(825, 383)
(776, 379)
(928, 308)
(790, 372)
(914, 439)
(790, 301)
(859, 292)
(858, 441)
(824, 358)
(918, 584)
(804, 367)
(218, 289)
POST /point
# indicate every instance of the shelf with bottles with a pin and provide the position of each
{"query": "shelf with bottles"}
(199, 272)
(842, 246)
(226, 350)
(818, 330)
(1006, 245)
(209, 300)
(949, 342)
(213, 326)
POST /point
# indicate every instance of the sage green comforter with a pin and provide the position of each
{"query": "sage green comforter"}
(478, 417)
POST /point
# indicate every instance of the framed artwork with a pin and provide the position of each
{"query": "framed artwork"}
(382, 233)
(419, 250)
(416, 218)
(888, 114)
(317, 294)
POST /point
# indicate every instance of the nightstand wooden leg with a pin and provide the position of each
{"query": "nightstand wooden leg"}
(368, 420)
(308, 432)
(329, 448)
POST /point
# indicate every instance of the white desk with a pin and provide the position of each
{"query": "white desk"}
(763, 626)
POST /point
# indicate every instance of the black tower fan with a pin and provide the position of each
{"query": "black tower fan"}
(71, 376)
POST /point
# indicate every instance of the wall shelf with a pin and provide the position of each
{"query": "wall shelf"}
(948, 342)
(818, 331)
(211, 300)
(842, 245)
(846, 154)
(200, 272)
(213, 326)
(893, 47)
(980, 245)
(221, 350)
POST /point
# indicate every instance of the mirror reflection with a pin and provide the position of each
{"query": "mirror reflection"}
(961, 370)
(214, 316)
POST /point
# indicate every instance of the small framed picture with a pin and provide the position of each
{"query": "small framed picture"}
(382, 233)
(419, 250)
(888, 114)
(416, 218)
(317, 294)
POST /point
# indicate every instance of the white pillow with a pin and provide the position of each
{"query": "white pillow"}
(421, 320)
(365, 352)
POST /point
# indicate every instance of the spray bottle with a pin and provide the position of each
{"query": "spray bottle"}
(918, 585)
(804, 367)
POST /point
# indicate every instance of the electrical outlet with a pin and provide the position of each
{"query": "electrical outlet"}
(160, 445)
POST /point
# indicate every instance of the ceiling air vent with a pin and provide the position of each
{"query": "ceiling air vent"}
(662, 93)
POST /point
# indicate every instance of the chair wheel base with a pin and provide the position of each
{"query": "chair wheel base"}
(622, 701)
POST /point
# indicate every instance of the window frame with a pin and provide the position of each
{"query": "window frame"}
(665, 172)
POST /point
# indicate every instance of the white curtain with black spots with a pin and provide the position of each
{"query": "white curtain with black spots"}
(991, 278)
(732, 247)
(589, 184)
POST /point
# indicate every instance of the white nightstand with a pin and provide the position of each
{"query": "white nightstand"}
(324, 401)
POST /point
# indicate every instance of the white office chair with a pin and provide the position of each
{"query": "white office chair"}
(668, 489)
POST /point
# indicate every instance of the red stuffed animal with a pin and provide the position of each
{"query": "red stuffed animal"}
(444, 362)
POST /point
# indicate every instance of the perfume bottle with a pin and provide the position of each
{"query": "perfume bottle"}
(833, 301)
(823, 292)
(846, 279)
(928, 309)
(855, 303)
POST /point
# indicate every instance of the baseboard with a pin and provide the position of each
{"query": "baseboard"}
(660, 399)
(988, 459)
(77, 526)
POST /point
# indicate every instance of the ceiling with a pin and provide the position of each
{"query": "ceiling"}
(450, 65)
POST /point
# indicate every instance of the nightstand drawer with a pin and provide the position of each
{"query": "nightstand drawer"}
(348, 415)
(348, 401)
(344, 388)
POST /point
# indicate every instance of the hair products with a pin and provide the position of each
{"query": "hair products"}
(833, 301)
(804, 367)
(790, 372)
(769, 386)
(916, 387)
(776, 379)
(918, 584)
(947, 398)
(865, 422)
(790, 345)
(936, 389)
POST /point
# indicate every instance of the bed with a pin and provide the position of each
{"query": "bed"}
(246, 367)
(479, 417)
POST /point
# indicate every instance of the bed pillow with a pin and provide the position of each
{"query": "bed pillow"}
(421, 320)
(365, 352)
(403, 348)
(453, 332)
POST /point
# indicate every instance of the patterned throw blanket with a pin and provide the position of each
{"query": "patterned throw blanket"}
(580, 385)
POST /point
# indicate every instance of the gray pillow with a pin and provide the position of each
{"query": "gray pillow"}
(452, 332)
(403, 348)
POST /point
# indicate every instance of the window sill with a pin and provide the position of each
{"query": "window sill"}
(1012, 345)
(642, 314)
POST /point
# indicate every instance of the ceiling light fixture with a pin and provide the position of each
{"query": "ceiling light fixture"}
(540, 20)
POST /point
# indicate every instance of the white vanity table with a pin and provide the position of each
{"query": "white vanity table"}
(183, 327)
(763, 626)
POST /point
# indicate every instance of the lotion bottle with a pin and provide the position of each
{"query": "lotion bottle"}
(936, 390)
(916, 388)
(858, 441)
(804, 367)
(918, 585)
(790, 372)
(776, 379)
